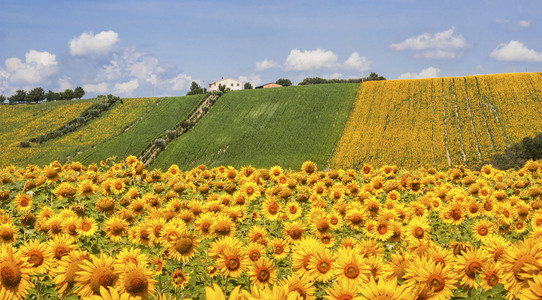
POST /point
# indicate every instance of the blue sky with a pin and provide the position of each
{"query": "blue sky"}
(140, 48)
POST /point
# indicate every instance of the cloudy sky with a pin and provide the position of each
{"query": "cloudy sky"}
(142, 48)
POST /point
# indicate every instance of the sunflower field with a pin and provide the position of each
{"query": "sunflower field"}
(439, 122)
(116, 230)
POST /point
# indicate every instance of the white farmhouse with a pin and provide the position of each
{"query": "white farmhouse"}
(230, 83)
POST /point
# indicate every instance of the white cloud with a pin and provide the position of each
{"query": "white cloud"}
(425, 73)
(254, 79)
(515, 51)
(524, 23)
(180, 82)
(310, 59)
(441, 45)
(126, 88)
(333, 76)
(357, 62)
(37, 67)
(64, 83)
(93, 44)
(136, 64)
(266, 64)
(99, 88)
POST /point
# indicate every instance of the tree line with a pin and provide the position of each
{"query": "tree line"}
(38, 94)
(318, 80)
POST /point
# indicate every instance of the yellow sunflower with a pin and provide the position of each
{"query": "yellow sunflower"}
(350, 267)
(469, 265)
(233, 261)
(66, 271)
(481, 229)
(384, 289)
(131, 256)
(23, 202)
(520, 263)
(263, 273)
(223, 226)
(38, 256)
(321, 265)
(301, 285)
(136, 280)
(61, 245)
(86, 226)
(271, 209)
(280, 248)
(115, 229)
(14, 273)
(293, 210)
(423, 277)
(342, 289)
(293, 231)
(417, 229)
(180, 279)
(184, 247)
(95, 273)
(9, 233)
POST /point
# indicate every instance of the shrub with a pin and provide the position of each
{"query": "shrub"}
(160, 143)
(25, 144)
(171, 134)
(41, 138)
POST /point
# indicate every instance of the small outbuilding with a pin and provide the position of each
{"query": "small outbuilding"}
(229, 83)
(269, 85)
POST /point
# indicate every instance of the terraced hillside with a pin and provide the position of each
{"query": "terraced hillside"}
(440, 122)
(265, 127)
(42, 120)
(132, 141)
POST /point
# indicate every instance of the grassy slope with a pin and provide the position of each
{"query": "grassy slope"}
(165, 116)
(24, 121)
(265, 127)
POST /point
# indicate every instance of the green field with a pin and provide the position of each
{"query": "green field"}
(168, 113)
(266, 127)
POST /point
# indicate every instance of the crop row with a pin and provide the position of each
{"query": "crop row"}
(440, 122)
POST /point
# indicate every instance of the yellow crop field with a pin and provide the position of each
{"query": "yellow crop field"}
(116, 230)
(109, 124)
(439, 122)
(24, 121)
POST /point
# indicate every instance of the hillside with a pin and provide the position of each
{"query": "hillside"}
(26, 121)
(134, 139)
(440, 122)
(266, 127)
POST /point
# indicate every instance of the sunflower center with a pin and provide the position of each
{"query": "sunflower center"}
(356, 219)
(232, 263)
(498, 254)
(322, 225)
(300, 291)
(344, 297)
(117, 230)
(184, 245)
(293, 209)
(72, 268)
(6, 235)
(86, 226)
(263, 275)
(482, 230)
(492, 280)
(135, 282)
(10, 273)
(35, 257)
(222, 228)
(351, 271)
(323, 266)
(436, 282)
(250, 190)
(254, 255)
(488, 206)
(418, 232)
(205, 226)
(60, 251)
(456, 214)
(118, 186)
(102, 276)
(24, 202)
(273, 208)
(473, 268)
(382, 229)
(279, 249)
(295, 233)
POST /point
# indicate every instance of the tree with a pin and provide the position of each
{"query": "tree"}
(2, 98)
(19, 96)
(195, 86)
(35, 95)
(78, 92)
(51, 96)
(67, 94)
(284, 82)
(248, 86)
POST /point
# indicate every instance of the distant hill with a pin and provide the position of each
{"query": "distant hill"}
(438, 122)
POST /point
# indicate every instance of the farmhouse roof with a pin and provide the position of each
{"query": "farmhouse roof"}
(224, 79)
